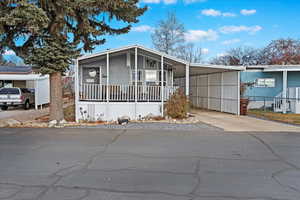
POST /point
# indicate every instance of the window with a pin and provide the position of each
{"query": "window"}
(150, 75)
(265, 82)
(9, 91)
(139, 77)
(151, 64)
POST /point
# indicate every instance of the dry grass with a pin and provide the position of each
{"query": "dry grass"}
(177, 106)
(286, 118)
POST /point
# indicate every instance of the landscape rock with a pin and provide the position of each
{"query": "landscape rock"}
(123, 120)
(149, 116)
(12, 122)
(52, 123)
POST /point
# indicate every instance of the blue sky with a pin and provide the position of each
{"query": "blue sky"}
(217, 25)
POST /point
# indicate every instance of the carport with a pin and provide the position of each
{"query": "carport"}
(214, 87)
(39, 83)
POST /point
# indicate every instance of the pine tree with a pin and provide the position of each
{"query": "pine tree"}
(53, 32)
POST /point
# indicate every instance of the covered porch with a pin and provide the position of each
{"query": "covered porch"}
(288, 100)
(132, 81)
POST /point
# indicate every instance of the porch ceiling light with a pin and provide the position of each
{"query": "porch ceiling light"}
(92, 73)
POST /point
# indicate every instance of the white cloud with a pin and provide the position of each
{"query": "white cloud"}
(204, 51)
(194, 1)
(9, 53)
(228, 14)
(159, 1)
(233, 41)
(216, 13)
(222, 54)
(151, 1)
(236, 29)
(211, 12)
(169, 1)
(248, 12)
(142, 28)
(201, 35)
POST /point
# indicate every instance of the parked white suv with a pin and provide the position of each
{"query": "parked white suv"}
(16, 97)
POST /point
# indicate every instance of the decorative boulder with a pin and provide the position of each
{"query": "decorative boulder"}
(123, 120)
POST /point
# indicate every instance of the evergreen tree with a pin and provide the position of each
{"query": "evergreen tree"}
(53, 32)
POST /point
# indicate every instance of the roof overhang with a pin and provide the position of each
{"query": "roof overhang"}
(198, 69)
(280, 68)
(23, 77)
(111, 51)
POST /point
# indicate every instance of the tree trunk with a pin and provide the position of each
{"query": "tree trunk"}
(56, 99)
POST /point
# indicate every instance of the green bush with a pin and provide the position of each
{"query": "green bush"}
(177, 106)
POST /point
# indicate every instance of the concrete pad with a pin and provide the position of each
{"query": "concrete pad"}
(234, 123)
(132, 181)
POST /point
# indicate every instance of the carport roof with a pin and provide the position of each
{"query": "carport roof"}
(22, 77)
(198, 69)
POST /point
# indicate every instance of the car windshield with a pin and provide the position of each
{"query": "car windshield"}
(9, 91)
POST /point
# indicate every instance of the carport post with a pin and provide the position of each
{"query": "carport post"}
(187, 80)
(162, 85)
(76, 88)
(284, 91)
(36, 90)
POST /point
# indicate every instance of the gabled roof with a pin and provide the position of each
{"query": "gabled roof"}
(132, 47)
(15, 69)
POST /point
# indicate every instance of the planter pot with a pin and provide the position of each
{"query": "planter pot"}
(243, 106)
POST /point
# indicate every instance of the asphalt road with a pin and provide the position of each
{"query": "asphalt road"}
(133, 164)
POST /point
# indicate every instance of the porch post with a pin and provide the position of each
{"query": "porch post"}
(135, 80)
(107, 86)
(162, 85)
(107, 77)
(284, 91)
(187, 80)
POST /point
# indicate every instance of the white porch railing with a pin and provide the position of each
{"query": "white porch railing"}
(292, 100)
(124, 93)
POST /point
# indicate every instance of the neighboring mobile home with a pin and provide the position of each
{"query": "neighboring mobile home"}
(274, 86)
(135, 81)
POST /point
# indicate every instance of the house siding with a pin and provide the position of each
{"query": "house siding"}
(118, 71)
(251, 76)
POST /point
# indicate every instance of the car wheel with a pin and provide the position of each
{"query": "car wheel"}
(4, 107)
(27, 105)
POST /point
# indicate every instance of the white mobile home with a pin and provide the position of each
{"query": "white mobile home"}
(135, 81)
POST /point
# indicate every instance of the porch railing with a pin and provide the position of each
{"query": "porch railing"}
(124, 93)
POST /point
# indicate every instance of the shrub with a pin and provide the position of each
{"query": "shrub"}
(177, 106)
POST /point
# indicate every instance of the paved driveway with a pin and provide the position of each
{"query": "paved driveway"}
(151, 164)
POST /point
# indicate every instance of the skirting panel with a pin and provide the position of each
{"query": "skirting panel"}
(95, 111)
